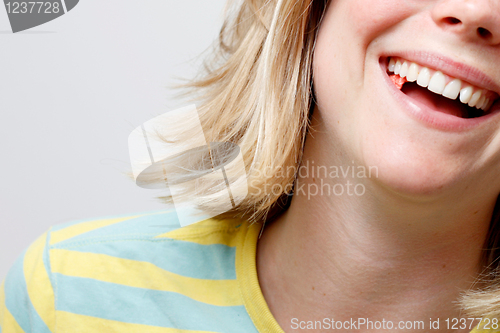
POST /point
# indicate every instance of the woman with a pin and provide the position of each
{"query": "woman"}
(382, 119)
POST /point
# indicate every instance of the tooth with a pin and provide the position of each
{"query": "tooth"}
(392, 64)
(404, 69)
(488, 106)
(452, 89)
(412, 73)
(436, 85)
(475, 98)
(397, 67)
(465, 95)
(480, 103)
(485, 103)
(424, 77)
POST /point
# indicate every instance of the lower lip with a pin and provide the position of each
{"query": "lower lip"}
(430, 117)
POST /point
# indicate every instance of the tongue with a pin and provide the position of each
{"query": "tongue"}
(434, 101)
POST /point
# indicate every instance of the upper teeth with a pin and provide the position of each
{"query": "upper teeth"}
(442, 84)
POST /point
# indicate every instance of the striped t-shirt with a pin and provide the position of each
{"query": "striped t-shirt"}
(140, 273)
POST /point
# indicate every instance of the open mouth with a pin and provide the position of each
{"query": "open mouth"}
(439, 91)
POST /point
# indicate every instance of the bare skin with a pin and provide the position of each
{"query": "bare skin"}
(351, 257)
(407, 247)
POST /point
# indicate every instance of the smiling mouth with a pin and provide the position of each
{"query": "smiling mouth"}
(439, 91)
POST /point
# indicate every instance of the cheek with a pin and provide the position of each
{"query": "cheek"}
(348, 29)
(372, 17)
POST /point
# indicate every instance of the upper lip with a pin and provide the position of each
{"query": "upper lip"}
(450, 67)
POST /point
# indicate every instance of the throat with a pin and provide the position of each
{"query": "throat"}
(367, 273)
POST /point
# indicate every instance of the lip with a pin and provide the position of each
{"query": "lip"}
(449, 67)
(434, 118)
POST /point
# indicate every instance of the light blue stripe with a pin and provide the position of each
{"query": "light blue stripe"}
(46, 259)
(16, 294)
(18, 302)
(148, 307)
(215, 261)
(149, 225)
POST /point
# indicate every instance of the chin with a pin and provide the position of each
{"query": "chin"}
(414, 174)
(421, 186)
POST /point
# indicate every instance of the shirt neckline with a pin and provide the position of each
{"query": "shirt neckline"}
(246, 273)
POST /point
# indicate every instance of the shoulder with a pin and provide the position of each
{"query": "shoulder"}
(144, 242)
(127, 269)
(153, 226)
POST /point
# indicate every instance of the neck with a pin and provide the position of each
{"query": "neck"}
(378, 256)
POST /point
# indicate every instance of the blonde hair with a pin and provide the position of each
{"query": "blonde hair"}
(257, 93)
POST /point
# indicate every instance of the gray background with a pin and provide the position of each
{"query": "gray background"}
(71, 91)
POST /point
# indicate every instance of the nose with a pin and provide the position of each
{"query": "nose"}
(474, 20)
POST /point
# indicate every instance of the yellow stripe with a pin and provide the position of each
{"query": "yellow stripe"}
(206, 232)
(142, 274)
(2, 304)
(81, 228)
(7, 321)
(38, 283)
(74, 323)
(246, 272)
